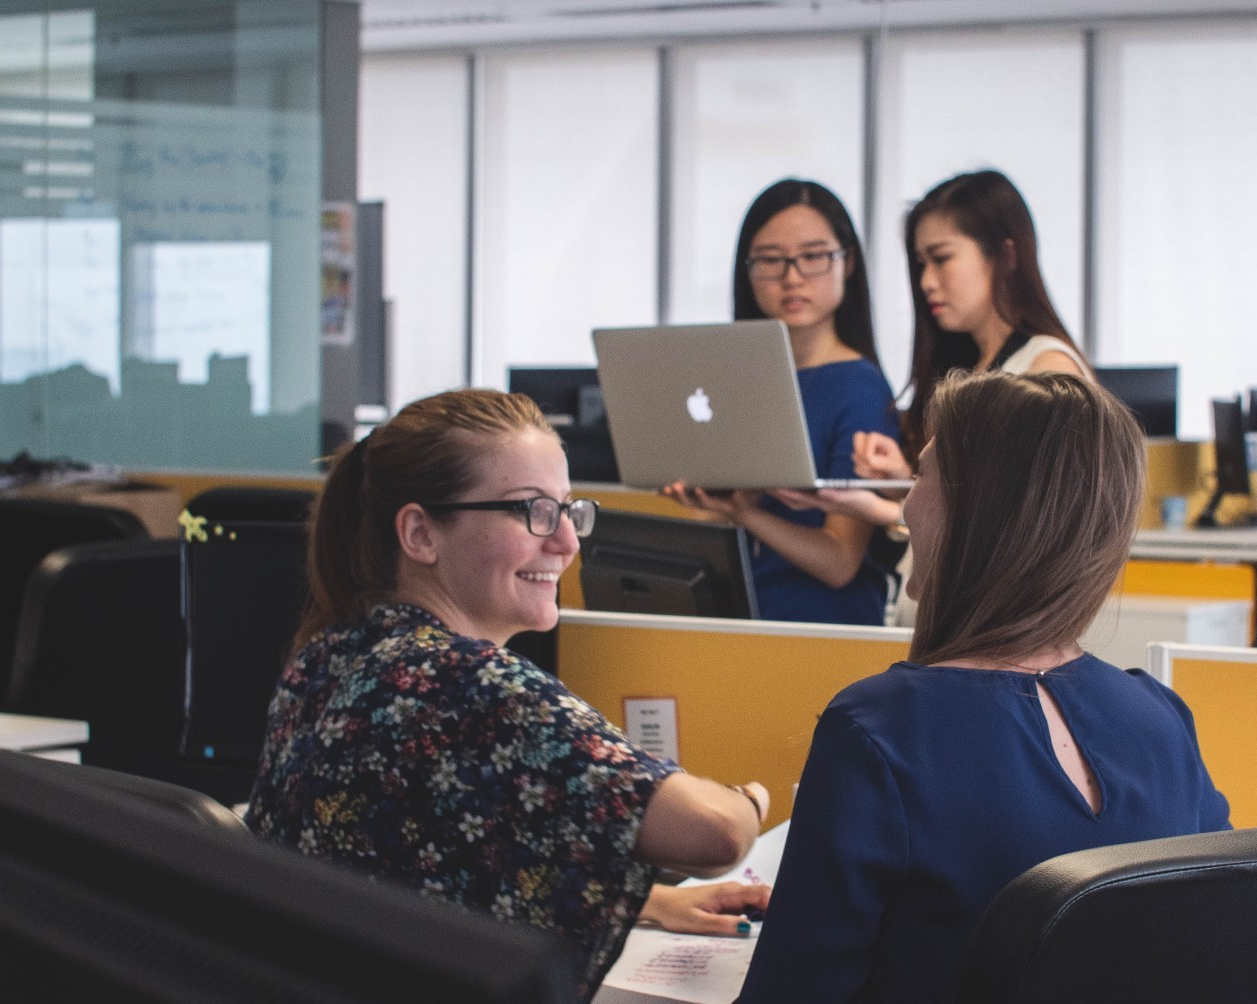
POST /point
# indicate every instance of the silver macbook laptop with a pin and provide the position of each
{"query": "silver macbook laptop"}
(714, 405)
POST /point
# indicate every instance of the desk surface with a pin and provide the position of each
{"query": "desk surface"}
(27, 732)
(1236, 543)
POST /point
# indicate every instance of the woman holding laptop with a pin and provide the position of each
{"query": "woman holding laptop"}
(998, 743)
(799, 261)
(405, 739)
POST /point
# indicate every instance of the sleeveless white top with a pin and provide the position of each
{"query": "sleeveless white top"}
(1021, 360)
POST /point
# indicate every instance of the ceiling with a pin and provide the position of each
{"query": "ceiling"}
(457, 24)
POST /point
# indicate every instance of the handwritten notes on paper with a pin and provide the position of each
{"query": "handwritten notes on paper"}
(683, 967)
(695, 968)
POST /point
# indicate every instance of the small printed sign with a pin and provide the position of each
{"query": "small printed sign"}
(651, 723)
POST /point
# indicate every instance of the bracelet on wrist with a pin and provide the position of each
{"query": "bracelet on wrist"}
(742, 790)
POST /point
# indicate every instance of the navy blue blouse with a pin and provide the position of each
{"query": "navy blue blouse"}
(928, 789)
(839, 400)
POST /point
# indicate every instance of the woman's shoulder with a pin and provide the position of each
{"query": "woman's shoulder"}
(850, 386)
(847, 371)
(1038, 345)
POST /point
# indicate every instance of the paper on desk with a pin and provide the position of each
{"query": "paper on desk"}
(760, 866)
(695, 968)
(682, 967)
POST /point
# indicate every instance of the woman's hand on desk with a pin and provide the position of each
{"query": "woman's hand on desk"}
(720, 909)
(729, 506)
(857, 502)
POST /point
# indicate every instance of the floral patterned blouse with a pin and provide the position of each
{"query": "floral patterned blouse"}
(398, 746)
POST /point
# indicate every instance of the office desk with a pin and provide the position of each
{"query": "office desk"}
(1214, 544)
(54, 738)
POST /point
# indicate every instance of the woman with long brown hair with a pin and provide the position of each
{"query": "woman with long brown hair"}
(998, 743)
(979, 303)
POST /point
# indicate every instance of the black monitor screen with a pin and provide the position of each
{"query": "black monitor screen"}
(571, 398)
(563, 393)
(1228, 444)
(244, 588)
(1151, 392)
(635, 563)
(110, 897)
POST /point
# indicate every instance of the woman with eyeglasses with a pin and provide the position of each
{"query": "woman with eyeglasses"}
(405, 739)
(999, 743)
(799, 261)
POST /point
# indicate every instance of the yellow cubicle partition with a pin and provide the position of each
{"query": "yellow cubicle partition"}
(747, 693)
(1220, 686)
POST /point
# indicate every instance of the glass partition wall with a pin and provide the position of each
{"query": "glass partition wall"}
(160, 193)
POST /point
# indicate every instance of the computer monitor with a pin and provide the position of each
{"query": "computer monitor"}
(1229, 455)
(244, 589)
(636, 563)
(1150, 392)
(558, 391)
(107, 896)
(571, 397)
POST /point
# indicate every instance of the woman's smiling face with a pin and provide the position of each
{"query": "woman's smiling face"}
(496, 577)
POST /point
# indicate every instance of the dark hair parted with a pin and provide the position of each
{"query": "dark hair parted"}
(1042, 479)
(429, 451)
(986, 207)
(854, 319)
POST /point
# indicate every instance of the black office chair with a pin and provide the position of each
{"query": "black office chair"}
(245, 502)
(171, 798)
(1160, 920)
(31, 528)
(100, 639)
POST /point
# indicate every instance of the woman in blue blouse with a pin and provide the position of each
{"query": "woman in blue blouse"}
(799, 261)
(999, 743)
(405, 739)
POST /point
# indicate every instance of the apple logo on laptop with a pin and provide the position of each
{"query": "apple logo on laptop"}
(699, 406)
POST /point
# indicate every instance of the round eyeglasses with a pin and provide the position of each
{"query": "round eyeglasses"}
(810, 264)
(542, 513)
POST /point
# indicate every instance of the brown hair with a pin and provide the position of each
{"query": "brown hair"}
(428, 452)
(986, 207)
(1042, 479)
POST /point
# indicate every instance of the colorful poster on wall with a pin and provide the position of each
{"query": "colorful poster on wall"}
(339, 272)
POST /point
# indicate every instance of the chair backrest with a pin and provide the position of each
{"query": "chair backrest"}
(1159, 920)
(246, 502)
(31, 528)
(166, 797)
(100, 639)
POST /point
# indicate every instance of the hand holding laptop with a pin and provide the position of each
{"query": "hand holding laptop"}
(726, 505)
(858, 502)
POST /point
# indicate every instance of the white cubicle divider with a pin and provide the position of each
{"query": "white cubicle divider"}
(52, 738)
(1219, 684)
(1128, 623)
(1162, 657)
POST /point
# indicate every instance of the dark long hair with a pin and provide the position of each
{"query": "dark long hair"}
(429, 450)
(984, 206)
(854, 319)
(1042, 480)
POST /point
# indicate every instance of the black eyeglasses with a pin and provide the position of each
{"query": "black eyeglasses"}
(810, 264)
(542, 512)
